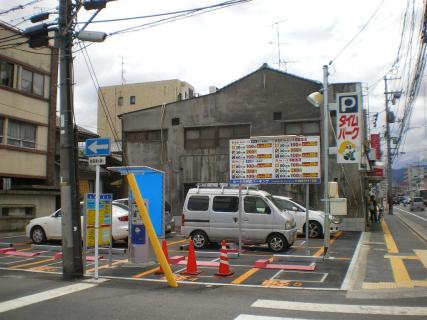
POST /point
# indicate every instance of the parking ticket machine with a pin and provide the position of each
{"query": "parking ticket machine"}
(139, 245)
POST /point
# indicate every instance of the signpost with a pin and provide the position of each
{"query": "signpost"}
(275, 160)
(96, 148)
(349, 128)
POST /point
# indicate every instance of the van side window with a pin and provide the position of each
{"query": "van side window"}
(225, 204)
(198, 203)
(256, 205)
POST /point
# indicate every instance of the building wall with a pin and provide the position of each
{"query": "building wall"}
(146, 95)
(38, 204)
(267, 102)
(32, 108)
(251, 102)
(27, 132)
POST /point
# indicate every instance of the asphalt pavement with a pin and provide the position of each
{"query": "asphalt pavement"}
(379, 274)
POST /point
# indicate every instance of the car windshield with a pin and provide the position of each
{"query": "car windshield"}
(276, 202)
(418, 199)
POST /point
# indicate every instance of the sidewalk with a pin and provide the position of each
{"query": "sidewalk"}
(392, 262)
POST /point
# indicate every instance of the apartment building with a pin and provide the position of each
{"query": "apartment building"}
(28, 80)
(115, 100)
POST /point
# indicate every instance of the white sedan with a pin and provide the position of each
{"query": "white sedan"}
(316, 218)
(41, 229)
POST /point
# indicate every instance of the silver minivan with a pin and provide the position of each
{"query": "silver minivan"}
(212, 215)
(417, 203)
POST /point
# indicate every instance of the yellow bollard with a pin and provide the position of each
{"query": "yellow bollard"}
(142, 209)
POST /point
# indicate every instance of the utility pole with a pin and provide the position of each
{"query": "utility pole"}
(388, 137)
(325, 154)
(71, 224)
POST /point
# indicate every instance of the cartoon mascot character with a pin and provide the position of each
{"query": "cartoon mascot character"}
(347, 149)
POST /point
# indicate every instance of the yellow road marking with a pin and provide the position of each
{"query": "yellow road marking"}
(394, 285)
(26, 249)
(400, 273)
(402, 257)
(389, 241)
(21, 243)
(422, 255)
(145, 273)
(30, 264)
(245, 276)
(176, 242)
(107, 266)
(319, 252)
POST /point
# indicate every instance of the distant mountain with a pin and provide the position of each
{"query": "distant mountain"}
(399, 174)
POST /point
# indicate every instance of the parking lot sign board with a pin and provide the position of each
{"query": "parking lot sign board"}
(97, 147)
(275, 160)
(105, 216)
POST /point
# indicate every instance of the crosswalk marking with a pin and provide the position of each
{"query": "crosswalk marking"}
(341, 308)
(256, 317)
(43, 296)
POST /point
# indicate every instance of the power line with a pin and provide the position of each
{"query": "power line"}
(186, 14)
(167, 13)
(358, 33)
(19, 7)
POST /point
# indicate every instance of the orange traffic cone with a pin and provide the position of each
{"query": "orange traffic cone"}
(191, 261)
(224, 266)
(165, 251)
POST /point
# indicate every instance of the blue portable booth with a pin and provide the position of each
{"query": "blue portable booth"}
(151, 186)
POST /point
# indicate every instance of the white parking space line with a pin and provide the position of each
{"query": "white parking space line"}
(17, 261)
(412, 214)
(11, 237)
(255, 317)
(340, 308)
(43, 296)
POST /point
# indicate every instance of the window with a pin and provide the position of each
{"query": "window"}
(32, 82)
(225, 204)
(212, 137)
(1, 129)
(200, 138)
(6, 73)
(226, 133)
(146, 136)
(190, 93)
(306, 128)
(120, 101)
(198, 203)
(4, 212)
(132, 100)
(256, 205)
(285, 204)
(277, 115)
(21, 134)
(175, 121)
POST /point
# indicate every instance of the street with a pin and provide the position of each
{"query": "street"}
(388, 279)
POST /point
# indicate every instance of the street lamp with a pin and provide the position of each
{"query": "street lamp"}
(316, 99)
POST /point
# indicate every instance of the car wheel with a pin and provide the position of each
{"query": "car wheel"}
(314, 229)
(277, 242)
(200, 239)
(38, 235)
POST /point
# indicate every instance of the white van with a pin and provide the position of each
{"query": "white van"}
(212, 215)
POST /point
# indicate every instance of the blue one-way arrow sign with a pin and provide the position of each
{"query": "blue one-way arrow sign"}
(97, 147)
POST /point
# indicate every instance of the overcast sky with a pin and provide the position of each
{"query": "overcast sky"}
(219, 47)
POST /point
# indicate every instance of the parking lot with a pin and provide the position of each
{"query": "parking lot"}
(256, 266)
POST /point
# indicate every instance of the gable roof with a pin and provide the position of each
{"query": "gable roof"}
(264, 66)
